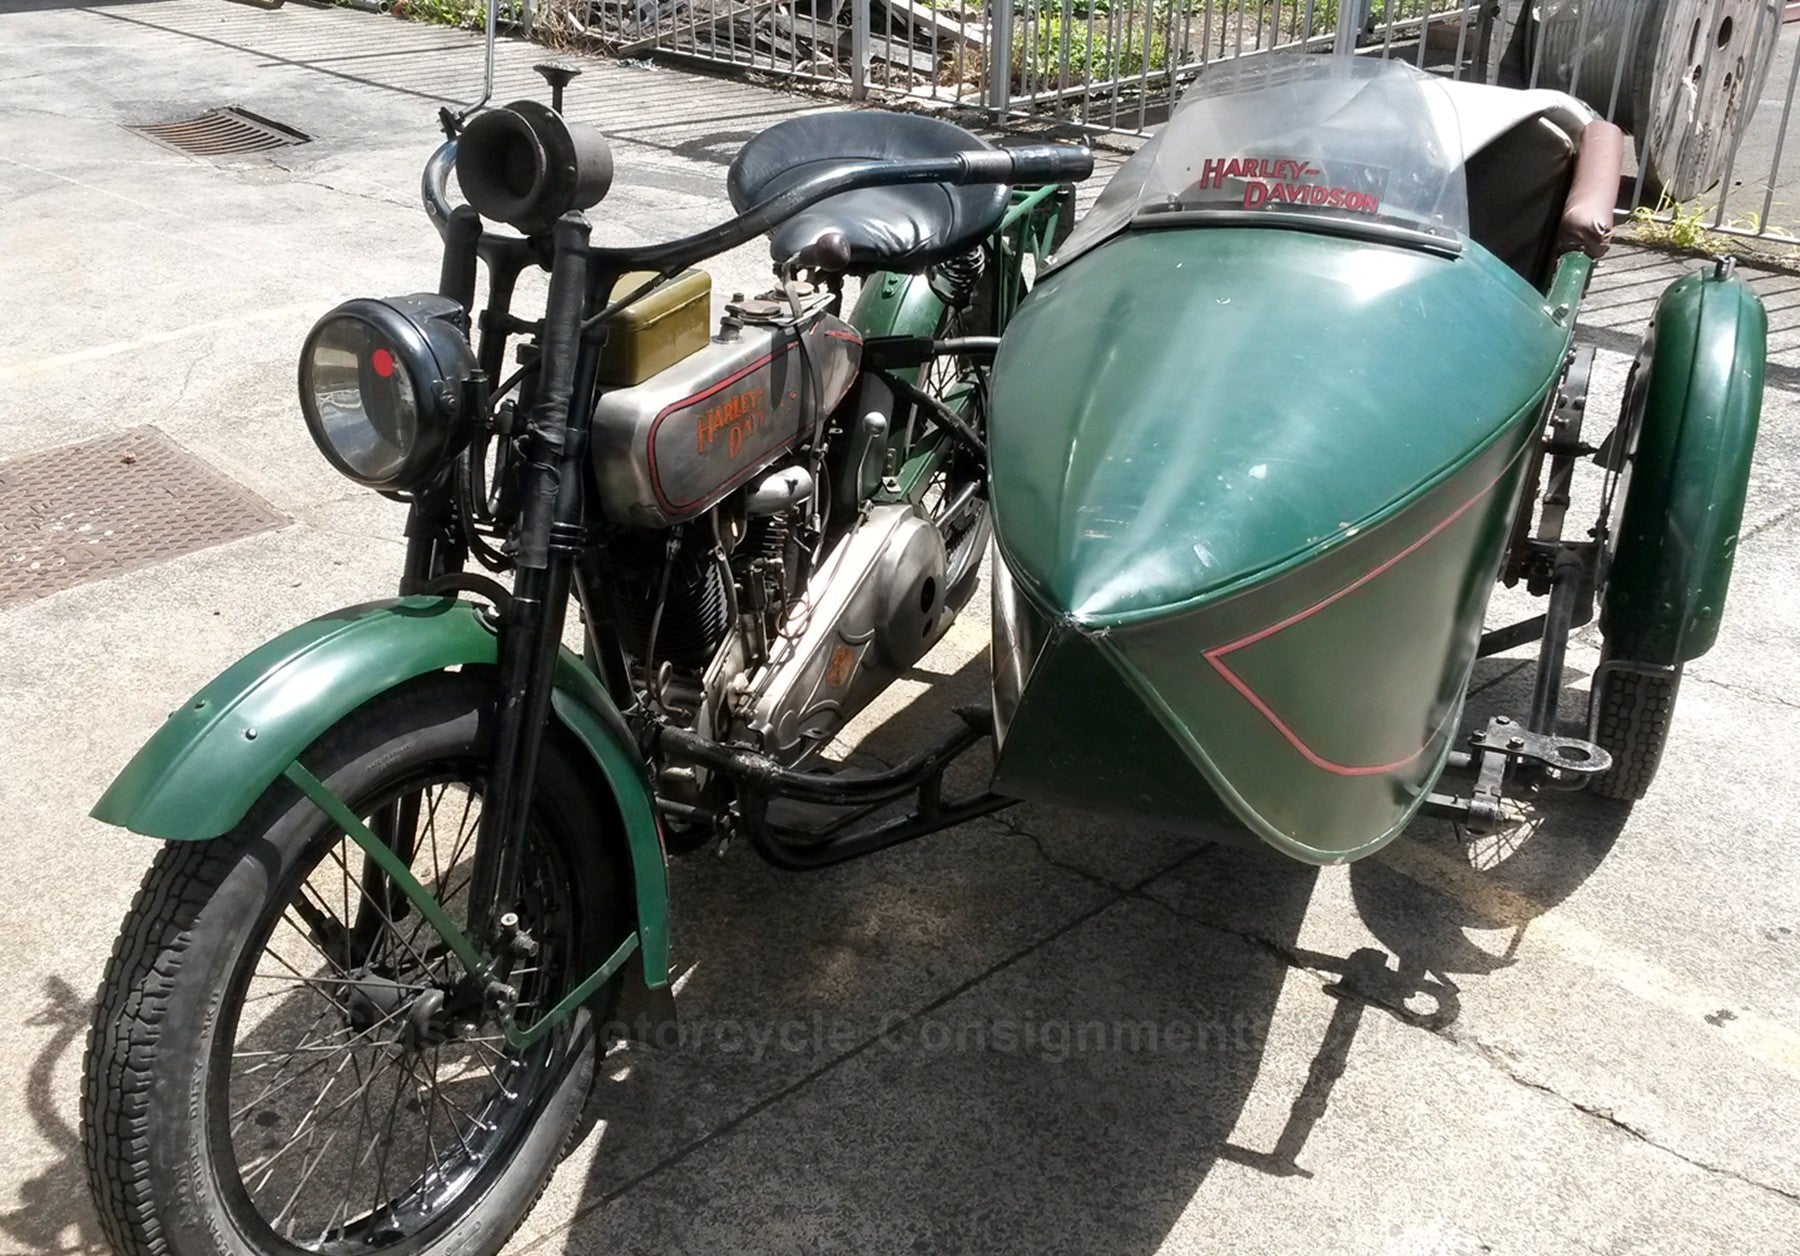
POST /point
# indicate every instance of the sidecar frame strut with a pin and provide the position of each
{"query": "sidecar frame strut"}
(761, 781)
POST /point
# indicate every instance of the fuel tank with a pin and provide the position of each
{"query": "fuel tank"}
(1251, 489)
(673, 446)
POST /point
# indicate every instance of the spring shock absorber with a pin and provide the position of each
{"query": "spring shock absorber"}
(954, 281)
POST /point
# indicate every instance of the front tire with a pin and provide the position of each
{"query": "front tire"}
(285, 1058)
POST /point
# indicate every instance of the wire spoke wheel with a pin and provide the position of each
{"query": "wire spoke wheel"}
(366, 1084)
(353, 1089)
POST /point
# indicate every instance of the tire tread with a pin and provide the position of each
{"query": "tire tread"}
(1635, 711)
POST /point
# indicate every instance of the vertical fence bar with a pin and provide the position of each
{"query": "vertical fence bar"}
(1625, 46)
(1000, 33)
(1343, 43)
(1581, 32)
(1537, 62)
(1787, 108)
(1462, 40)
(859, 49)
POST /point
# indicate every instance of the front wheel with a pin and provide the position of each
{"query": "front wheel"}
(286, 1057)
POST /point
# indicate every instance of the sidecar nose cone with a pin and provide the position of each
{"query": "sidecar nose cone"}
(1181, 411)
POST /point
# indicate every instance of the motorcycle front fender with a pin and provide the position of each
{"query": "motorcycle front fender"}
(201, 771)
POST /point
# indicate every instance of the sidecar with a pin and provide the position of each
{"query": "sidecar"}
(1293, 397)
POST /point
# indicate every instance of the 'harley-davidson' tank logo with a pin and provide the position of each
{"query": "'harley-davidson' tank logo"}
(737, 417)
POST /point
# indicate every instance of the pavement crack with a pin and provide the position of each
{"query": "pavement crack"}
(1749, 691)
(1498, 1060)
(296, 176)
(1037, 844)
(1773, 521)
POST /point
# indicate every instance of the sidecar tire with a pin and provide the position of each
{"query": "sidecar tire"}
(1635, 710)
(150, 1076)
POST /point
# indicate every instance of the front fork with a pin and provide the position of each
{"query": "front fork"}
(549, 538)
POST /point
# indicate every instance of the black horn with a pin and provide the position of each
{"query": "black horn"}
(524, 166)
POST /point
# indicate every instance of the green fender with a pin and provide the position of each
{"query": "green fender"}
(1684, 503)
(892, 304)
(202, 770)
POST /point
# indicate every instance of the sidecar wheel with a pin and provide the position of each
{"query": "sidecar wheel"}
(286, 1058)
(1634, 711)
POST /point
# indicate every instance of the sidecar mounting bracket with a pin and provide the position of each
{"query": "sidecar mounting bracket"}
(1500, 748)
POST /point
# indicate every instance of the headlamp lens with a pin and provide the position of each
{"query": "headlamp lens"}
(363, 402)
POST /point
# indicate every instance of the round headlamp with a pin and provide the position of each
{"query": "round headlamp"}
(383, 386)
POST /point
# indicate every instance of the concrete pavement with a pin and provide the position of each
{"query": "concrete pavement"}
(1583, 1037)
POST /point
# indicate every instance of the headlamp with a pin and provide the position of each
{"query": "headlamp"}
(384, 388)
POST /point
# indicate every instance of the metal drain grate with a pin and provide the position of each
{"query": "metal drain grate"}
(103, 507)
(221, 131)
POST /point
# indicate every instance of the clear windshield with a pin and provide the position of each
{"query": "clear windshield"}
(1338, 142)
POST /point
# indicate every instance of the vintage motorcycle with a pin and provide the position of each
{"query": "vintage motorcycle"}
(1253, 444)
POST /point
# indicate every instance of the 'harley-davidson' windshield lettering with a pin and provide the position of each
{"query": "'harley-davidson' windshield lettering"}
(1360, 146)
(1284, 181)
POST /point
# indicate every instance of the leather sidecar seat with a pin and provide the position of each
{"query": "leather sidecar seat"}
(891, 228)
(1542, 174)
(1518, 183)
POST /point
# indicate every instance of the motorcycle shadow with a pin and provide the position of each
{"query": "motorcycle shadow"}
(998, 1038)
(53, 1213)
(1052, 1024)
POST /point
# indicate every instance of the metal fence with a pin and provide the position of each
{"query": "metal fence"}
(1685, 77)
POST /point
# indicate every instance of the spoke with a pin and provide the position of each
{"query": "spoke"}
(438, 1099)
(267, 1166)
(362, 1089)
(464, 1113)
(493, 1076)
(283, 961)
(387, 1142)
(437, 873)
(306, 1043)
(430, 1112)
(349, 1047)
(305, 1177)
(337, 983)
(392, 928)
(343, 1211)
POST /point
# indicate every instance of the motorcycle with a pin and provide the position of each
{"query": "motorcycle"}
(1250, 446)
(416, 847)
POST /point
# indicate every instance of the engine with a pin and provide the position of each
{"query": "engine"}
(758, 597)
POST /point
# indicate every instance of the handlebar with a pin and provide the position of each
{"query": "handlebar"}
(434, 185)
(1032, 164)
(1027, 164)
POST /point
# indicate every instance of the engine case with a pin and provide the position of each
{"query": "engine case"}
(672, 447)
(876, 605)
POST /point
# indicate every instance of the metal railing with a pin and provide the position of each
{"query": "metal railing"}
(1683, 76)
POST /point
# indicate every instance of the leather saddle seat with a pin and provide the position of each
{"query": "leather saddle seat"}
(888, 228)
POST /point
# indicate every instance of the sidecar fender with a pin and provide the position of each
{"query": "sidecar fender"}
(201, 771)
(1665, 594)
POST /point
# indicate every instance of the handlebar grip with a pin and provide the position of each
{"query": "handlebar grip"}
(1028, 163)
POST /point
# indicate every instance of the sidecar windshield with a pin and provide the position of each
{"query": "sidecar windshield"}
(1342, 144)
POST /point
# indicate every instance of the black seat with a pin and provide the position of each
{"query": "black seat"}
(897, 228)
